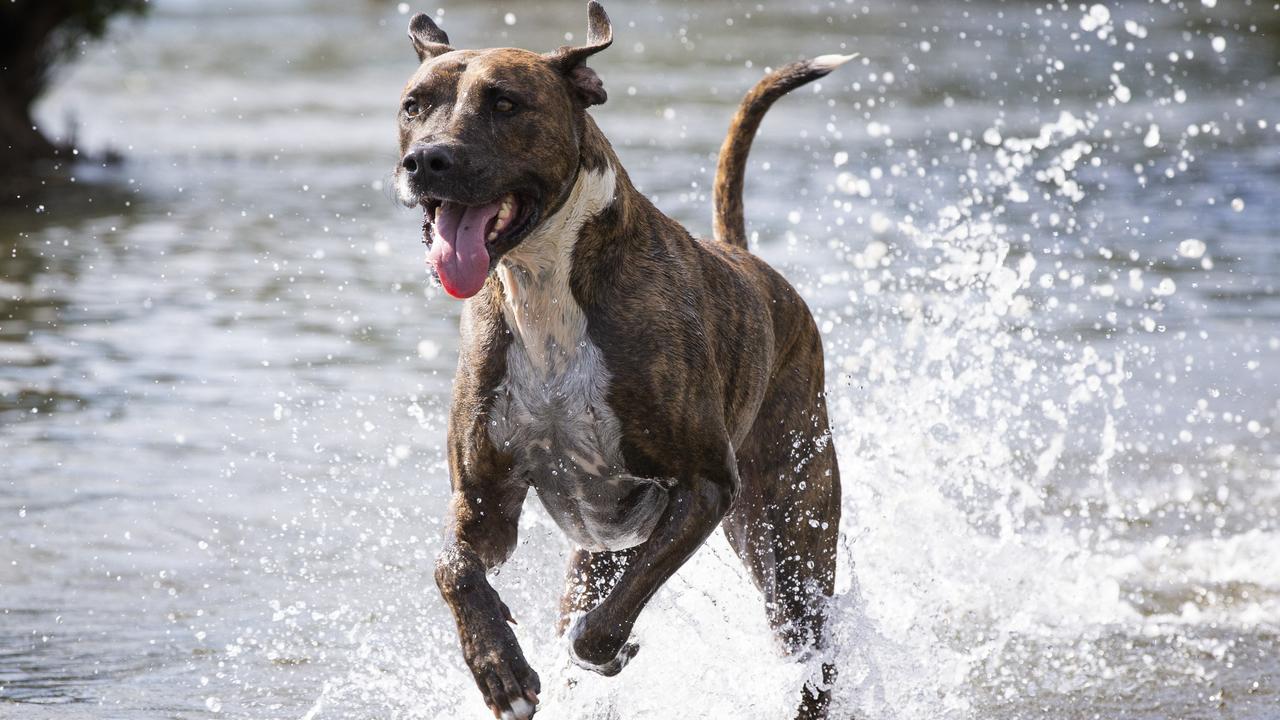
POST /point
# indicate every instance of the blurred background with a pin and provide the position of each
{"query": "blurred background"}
(1039, 239)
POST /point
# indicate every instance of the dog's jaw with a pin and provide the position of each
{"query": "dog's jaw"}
(404, 193)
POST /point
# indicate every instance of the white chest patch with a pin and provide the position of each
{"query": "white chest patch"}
(551, 412)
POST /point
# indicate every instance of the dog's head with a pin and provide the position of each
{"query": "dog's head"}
(489, 143)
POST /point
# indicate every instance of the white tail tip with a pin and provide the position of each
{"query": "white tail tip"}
(831, 62)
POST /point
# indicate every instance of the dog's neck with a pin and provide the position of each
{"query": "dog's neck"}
(537, 298)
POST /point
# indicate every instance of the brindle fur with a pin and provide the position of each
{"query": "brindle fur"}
(714, 363)
(729, 225)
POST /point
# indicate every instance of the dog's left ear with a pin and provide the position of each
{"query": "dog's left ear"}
(571, 61)
(427, 37)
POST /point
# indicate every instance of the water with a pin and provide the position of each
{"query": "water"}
(224, 374)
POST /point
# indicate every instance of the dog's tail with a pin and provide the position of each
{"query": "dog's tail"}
(729, 224)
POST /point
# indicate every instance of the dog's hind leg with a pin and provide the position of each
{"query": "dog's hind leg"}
(785, 524)
(589, 578)
(785, 528)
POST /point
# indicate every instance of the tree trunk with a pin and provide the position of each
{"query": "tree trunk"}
(27, 39)
(21, 144)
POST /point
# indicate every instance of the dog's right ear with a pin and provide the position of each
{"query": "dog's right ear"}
(427, 38)
(572, 61)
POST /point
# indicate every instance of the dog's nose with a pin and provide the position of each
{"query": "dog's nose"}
(427, 160)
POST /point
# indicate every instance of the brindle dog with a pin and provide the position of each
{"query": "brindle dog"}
(648, 386)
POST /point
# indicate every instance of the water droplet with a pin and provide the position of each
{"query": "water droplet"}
(1191, 248)
(1152, 138)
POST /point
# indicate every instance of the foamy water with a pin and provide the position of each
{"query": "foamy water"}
(1039, 243)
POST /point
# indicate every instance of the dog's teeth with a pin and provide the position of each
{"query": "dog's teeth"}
(504, 216)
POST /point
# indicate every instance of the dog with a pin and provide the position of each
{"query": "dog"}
(647, 385)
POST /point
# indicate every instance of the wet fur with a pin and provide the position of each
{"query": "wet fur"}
(648, 385)
(552, 407)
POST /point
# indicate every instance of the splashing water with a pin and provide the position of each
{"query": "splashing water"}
(988, 559)
(1048, 324)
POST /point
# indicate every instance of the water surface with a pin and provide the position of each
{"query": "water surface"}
(1039, 240)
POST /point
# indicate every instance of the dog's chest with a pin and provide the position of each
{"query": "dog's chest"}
(552, 415)
(551, 410)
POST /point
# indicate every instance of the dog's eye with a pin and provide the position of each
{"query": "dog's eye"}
(504, 105)
(412, 108)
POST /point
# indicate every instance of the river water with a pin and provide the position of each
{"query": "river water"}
(1040, 241)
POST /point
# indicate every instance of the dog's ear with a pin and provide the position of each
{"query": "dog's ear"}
(427, 37)
(571, 61)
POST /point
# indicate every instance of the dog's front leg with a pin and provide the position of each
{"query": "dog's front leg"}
(482, 535)
(598, 639)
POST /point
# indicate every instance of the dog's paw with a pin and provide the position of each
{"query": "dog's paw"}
(598, 652)
(521, 709)
(509, 686)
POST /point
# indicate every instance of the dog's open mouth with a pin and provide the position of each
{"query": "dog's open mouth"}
(465, 240)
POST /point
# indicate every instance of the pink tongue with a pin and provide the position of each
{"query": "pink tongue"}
(457, 251)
